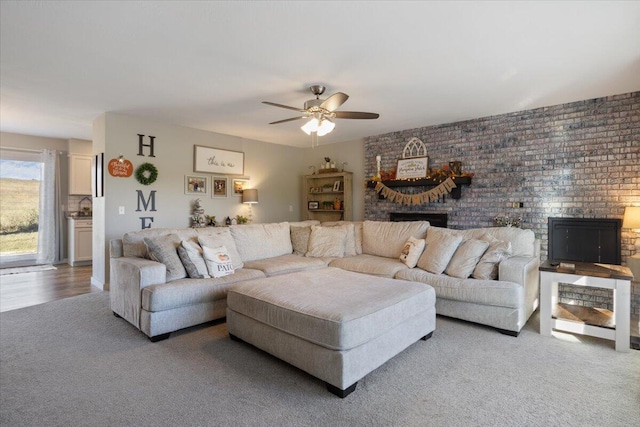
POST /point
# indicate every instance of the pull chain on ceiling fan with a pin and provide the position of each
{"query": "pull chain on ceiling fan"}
(321, 113)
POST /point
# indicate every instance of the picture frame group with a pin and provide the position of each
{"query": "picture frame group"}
(198, 185)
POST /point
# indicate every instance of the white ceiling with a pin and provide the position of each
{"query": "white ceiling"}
(208, 65)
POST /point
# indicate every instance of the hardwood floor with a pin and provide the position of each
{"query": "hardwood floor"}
(26, 289)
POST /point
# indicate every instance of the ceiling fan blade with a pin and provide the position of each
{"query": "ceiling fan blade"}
(355, 115)
(334, 101)
(287, 120)
(283, 106)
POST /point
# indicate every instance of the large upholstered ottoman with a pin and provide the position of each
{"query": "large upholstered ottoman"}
(336, 325)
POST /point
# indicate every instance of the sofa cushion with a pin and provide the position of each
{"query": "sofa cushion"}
(466, 258)
(353, 244)
(486, 292)
(522, 241)
(370, 264)
(498, 251)
(387, 239)
(260, 241)
(441, 245)
(214, 237)
(187, 292)
(218, 261)
(286, 264)
(133, 242)
(327, 242)
(164, 249)
(191, 256)
(412, 251)
(300, 239)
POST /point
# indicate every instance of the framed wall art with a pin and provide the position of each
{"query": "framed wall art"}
(312, 205)
(216, 160)
(195, 184)
(239, 185)
(412, 168)
(219, 187)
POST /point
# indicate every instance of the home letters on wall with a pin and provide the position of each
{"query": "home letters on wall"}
(151, 199)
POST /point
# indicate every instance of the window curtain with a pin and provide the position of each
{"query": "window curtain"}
(50, 218)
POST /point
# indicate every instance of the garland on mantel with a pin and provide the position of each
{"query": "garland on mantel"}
(415, 199)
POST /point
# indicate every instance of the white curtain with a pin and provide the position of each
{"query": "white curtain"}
(49, 224)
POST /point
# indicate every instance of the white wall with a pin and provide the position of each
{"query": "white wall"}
(275, 170)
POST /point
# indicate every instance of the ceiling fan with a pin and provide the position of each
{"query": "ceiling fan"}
(322, 112)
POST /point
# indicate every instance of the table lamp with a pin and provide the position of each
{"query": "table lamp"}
(250, 196)
(632, 220)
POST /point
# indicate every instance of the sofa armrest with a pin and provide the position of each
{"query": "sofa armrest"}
(524, 271)
(129, 275)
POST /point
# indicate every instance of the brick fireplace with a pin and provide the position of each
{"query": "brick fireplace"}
(580, 159)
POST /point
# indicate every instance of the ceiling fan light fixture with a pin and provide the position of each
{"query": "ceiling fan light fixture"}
(311, 126)
(325, 127)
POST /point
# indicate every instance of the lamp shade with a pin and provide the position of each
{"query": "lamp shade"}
(631, 217)
(250, 195)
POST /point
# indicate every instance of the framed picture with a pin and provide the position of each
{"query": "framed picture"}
(219, 186)
(336, 186)
(239, 185)
(412, 168)
(216, 160)
(313, 205)
(195, 184)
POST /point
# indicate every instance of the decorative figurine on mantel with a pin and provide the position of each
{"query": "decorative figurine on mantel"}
(198, 219)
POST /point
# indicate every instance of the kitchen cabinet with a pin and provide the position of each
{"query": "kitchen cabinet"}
(80, 241)
(328, 196)
(80, 174)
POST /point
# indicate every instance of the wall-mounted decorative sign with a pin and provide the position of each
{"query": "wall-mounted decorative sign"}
(412, 168)
(120, 168)
(215, 160)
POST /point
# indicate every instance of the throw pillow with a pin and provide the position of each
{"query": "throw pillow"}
(466, 258)
(440, 248)
(191, 256)
(497, 252)
(164, 249)
(350, 242)
(300, 239)
(327, 242)
(412, 251)
(221, 237)
(218, 261)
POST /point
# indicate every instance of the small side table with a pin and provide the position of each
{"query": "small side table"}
(615, 277)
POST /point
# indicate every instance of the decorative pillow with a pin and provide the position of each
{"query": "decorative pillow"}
(412, 251)
(466, 258)
(300, 239)
(440, 248)
(216, 238)
(191, 256)
(327, 242)
(218, 261)
(386, 239)
(350, 242)
(164, 249)
(497, 252)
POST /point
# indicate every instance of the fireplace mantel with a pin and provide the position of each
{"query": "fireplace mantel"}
(456, 193)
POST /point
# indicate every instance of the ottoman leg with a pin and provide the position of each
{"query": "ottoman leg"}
(341, 393)
(426, 337)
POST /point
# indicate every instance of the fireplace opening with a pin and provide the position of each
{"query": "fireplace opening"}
(585, 240)
(435, 219)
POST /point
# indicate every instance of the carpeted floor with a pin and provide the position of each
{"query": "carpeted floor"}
(72, 363)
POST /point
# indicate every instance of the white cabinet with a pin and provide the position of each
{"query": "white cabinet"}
(79, 174)
(80, 241)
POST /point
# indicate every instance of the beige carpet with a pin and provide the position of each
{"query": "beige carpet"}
(72, 363)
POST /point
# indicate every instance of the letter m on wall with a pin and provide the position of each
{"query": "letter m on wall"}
(145, 203)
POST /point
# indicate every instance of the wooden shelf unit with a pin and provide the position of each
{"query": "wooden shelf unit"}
(345, 195)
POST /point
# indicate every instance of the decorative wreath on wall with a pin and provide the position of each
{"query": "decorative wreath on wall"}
(141, 174)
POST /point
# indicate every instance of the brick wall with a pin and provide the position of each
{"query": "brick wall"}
(580, 159)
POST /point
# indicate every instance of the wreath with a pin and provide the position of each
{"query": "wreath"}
(141, 175)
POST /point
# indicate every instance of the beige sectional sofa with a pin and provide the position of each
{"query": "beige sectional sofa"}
(159, 298)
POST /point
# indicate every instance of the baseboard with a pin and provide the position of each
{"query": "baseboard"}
(98, 284)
